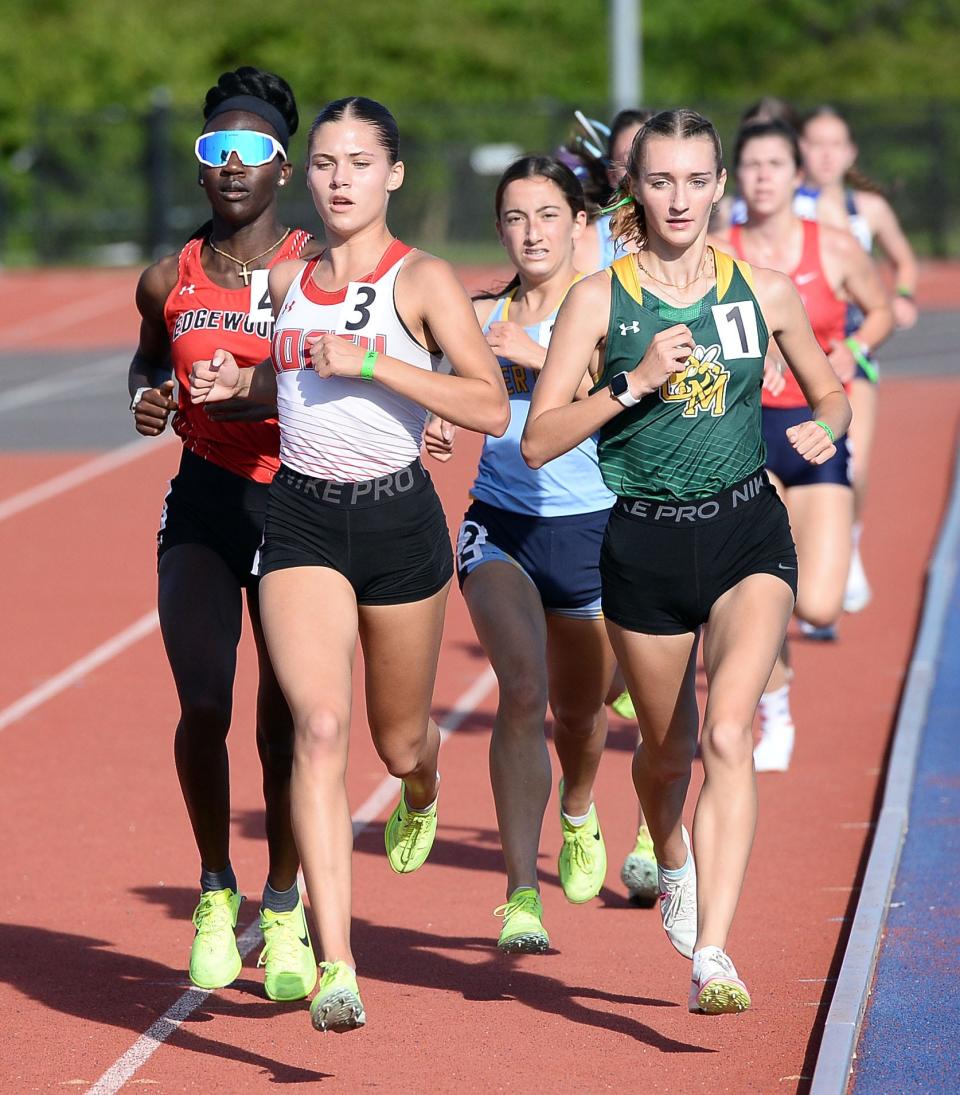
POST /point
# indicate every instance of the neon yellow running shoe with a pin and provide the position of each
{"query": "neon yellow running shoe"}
(291, 969)
(582, 863)
(623, 706)
(337, 1006)
(523, 931)
(214, 958)
(409, 836)
(639, 871)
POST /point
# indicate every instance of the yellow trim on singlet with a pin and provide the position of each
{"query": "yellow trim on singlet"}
(513, 292)
(725, 265)
(628, 274)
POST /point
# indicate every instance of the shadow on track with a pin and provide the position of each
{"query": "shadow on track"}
(407, 957)
(79, 975)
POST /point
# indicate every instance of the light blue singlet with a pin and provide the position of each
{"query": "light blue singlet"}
(568, 485)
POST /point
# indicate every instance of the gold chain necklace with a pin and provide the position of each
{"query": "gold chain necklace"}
(244, 272)
(673, 285)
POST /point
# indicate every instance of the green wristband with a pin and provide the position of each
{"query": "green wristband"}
(861, 359)
(903, 291)
(826, 429)
(369, 360)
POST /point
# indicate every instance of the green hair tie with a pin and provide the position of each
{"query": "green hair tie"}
(623, 201)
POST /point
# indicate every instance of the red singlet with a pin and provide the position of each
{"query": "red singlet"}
(202, 317)
(826, 312)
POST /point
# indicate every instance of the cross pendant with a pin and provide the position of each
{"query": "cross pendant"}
(244, 273)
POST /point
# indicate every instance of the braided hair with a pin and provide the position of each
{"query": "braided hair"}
(247, 80)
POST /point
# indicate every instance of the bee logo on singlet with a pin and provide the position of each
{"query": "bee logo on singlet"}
(702, 385)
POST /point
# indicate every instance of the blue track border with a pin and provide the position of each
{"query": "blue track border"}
(842, 1030)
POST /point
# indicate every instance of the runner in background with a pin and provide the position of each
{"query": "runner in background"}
(528, 562)
(596, 155)
(597, 251)
(835, 193)
(828, 268)
(698, 535)
(732, 209)
(210, 295)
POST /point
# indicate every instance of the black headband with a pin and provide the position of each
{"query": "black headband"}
(250, 104)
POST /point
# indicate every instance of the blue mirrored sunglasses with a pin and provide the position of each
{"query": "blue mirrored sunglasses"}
(253, 149)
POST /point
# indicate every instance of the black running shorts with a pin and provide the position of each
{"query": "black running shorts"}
(664, 564)
(388, 537)
(208, 505)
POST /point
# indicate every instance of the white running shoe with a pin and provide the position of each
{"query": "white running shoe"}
(715, 987)
(678, 905)
(857, 594)
(773, 751)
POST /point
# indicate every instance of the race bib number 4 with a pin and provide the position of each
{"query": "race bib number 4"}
(260, 307)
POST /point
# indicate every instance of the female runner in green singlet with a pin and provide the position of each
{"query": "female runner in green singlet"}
(698, 535)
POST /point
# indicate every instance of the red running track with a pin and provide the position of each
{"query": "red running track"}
(101, 875)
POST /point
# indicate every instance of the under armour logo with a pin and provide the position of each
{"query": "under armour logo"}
(187, 289)
(634, 327)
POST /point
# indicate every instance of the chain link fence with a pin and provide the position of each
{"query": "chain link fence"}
(119, 187)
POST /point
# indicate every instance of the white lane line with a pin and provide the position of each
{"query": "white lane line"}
(150, 1041)
(59, 385)
(80, 668)
(83, 473)
(68, 316)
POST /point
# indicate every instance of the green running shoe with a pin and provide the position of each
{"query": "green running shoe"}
(582, 864)
(214, 958)
(291, 969)
(523, 931)
(639, 871)
(409, 836)
(623, 706)
(337, 1006)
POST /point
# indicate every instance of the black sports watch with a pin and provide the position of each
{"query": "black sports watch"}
(620, 390)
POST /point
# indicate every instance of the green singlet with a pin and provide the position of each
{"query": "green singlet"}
(700, 433)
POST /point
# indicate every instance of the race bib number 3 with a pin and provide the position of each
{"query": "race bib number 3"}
(355, 310)
(737, 326)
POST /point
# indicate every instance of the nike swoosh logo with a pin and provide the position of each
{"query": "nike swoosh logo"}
(803, 279)
(305, 940)
(596, 835)
(782, 567)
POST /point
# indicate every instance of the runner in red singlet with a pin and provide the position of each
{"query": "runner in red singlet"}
(828, 268)
(212, 294)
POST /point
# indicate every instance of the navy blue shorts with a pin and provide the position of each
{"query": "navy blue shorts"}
(560, 555)
(787, 464)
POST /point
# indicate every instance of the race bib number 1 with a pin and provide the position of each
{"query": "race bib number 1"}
(737, 326)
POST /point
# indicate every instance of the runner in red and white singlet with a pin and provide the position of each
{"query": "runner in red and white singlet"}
(355, 541)
(215, 293)
(332, 429)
